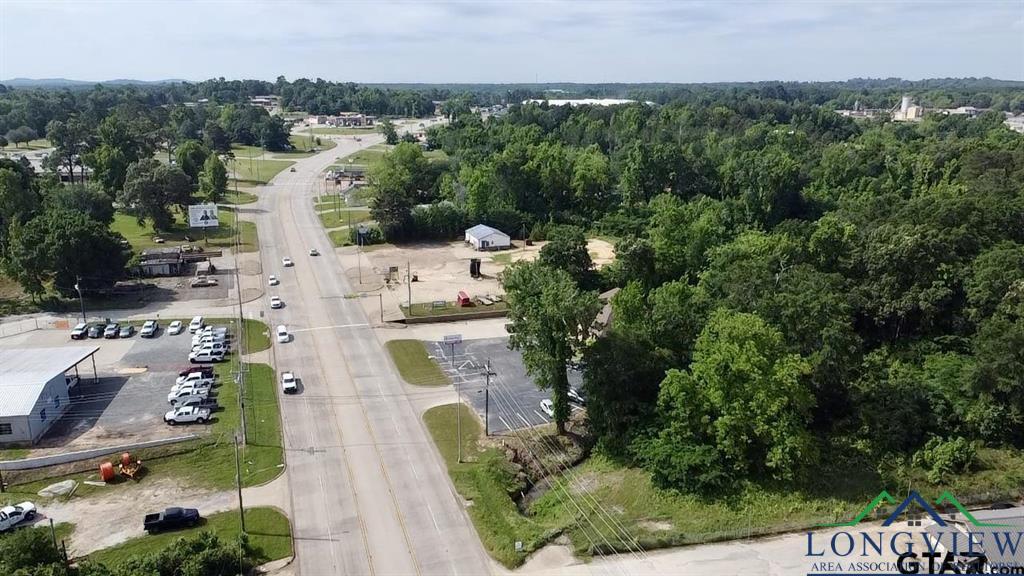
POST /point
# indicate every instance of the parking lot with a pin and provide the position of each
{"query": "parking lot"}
(130, 399)
(514, 398)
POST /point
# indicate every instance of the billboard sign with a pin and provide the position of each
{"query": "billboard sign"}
(202, 216)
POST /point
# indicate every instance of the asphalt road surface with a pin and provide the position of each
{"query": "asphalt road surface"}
(514, 399)
(369, 493)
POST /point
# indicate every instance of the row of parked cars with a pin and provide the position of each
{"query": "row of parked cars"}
(109, 330)
(191, 397)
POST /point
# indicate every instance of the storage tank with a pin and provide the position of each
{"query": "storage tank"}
(905, 104)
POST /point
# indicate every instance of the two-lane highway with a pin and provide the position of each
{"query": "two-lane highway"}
(369, 495)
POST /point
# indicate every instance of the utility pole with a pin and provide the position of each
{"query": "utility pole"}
(80, 299)
(458, 419)
(408, 281)
(380, 297)
(487, 398)
(238, 485)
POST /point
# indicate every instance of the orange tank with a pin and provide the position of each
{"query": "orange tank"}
(126, 459)
(106, 471)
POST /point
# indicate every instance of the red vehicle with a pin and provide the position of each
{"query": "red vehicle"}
(206, 370)
(463, 299)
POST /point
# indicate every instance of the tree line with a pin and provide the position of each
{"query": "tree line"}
(795, 288)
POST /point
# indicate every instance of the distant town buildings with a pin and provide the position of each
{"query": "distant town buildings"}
(268, 102)
(1015, 123)
(344, 119)
(908, 111)
(583, 101)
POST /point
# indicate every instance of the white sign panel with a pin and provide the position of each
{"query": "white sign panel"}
(453, 338)
(202, 216)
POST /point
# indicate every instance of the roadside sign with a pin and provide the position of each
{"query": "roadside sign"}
(202, 216)
(453, 338)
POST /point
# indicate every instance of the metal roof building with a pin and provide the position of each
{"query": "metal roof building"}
(483, 237)
(34, 386)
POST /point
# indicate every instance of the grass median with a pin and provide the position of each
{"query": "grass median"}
(415, 366)
(268, 530)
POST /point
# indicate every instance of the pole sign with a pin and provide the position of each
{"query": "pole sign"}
(203, 216)
(453, 339)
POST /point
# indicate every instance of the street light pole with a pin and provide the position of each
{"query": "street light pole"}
(80, 299)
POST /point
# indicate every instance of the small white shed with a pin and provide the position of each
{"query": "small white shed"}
(483, 237)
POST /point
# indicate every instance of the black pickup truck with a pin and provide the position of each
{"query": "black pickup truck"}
(170, 519)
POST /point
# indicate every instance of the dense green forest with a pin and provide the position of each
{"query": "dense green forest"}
(796, 287)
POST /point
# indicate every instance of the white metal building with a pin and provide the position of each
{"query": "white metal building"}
(483, 237)
(34, 385)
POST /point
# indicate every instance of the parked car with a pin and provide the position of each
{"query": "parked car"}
(80, 330)
(195, 325)
(187, 415)
(193, 377)
(111, 330)
(213, 346)
(200, 402)
(287, 262)
(149, 329)
(204, 338)
(175, 328)
(282, 334)
(275, 302)
(95, 331)
(11, 516)
(577, 396)
(288, 383)
(547, 407)
(170, 519)
(204, 370)
(126, 331)
(175, 397)
(314, 252)
(202, 281)
(292, 169)
(272, 280)
(206, 356)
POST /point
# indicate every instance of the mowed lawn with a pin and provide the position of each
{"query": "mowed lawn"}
(335, 219)
(142, 236)
(255, 170)
(269, 532)
(410, 356)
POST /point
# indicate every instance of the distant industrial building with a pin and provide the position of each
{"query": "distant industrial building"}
(583, 101)
(34, 389)
(907, 111)
(344, 119)
(268, 102)
(483, 237)
(1015, 123)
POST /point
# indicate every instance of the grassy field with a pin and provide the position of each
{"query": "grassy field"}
(410, 356)
(367, 157)
(37, 144)
(332, 219)
(243, 197)
(302, 144)
(421, 309)
(269, 535)
(141, 237)
(257, 171)
(483, 480)
(14, 453)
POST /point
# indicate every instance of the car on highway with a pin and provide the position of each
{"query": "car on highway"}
(272, 280)
(547, 407)
(126, 331)
(288, 383)
(275, 302)
(287, 262)
(314, 252)
(149, 329)
(187, 415)
(195, 325)
(80, 331)
(11, 516)
(577, 397)
(282, 334)
(292, 169)
(175, 328)
(95, 331)
(170, 519)
(206, 356)
(111, 330)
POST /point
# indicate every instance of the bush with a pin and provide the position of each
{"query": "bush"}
(373, 235)
(441, 221)
(942, 458)
(26, 549)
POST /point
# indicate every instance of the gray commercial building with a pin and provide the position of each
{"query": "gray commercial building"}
(34, 389)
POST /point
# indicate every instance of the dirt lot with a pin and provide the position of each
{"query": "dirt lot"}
(129, 401)
(442, 268)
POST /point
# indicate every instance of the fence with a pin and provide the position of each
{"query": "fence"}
(20, 326)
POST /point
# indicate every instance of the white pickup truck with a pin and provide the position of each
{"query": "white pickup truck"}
(186, 415)
(11, 516)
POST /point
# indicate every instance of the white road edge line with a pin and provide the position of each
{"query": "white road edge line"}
(363, 325)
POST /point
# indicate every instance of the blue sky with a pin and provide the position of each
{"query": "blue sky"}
(510, 41)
